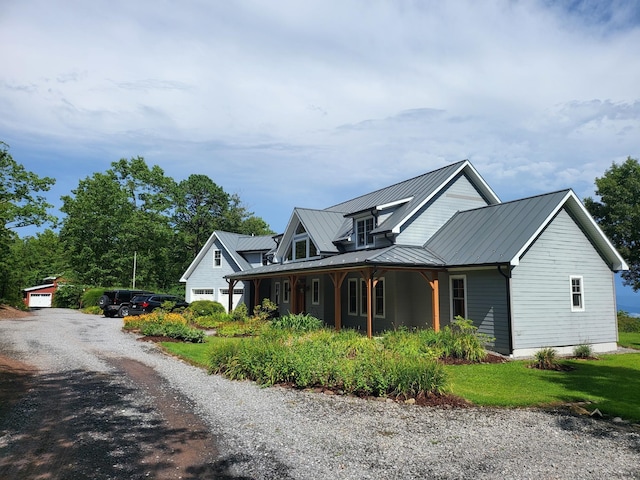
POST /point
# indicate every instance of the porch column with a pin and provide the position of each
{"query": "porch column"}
(435, 298)
(232, 283)
(293, 279)
(337, 278)
(256, 293)
(368, 278)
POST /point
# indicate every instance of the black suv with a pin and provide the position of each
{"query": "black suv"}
(146, 303)
(116, 302)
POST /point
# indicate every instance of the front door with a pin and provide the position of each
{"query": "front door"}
(301, 288)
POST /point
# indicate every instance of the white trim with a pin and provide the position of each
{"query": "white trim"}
(217, 260)
(314, 282)
(277, 293)
(384, 298)
(366, 244)
(581, 307)
(466, 309)
(385, 206)
(475, 177)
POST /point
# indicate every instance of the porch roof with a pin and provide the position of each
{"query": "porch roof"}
(405, 256)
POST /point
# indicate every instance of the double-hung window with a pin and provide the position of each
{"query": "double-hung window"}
(364, 237)
(353, 296)
(577, 294)
(315, 291)
(285, 291)
(276, 293)
(217, 258)
(458, 289)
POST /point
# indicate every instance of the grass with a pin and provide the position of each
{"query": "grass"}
(609, 383)
(629, 340)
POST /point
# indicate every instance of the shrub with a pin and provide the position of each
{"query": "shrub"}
(299, 322)
(91, 297)
(240, 313)
(164, 324)
(266, 310)
(462, 340)
(68, 296)
(204, 308)
(545, 359)
(627, 323)
(583, 351)
(93, 310)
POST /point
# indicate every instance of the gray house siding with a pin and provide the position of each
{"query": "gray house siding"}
(487, 305)
(206, 276)
(410, 294)
(460, 195)
(542, 313)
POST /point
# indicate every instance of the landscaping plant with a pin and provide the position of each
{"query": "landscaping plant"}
(545, 359)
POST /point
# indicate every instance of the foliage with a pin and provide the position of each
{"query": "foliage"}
(302, 322)
(92, 310)
(164, 324)
(618, 213)
(205, 307)
(583, 351)
(265, 310)
(91, 296)
(233, 328)
(20, 206)
(68, 296)
(545, 359)
(627, 323)
(629, 340)
(240, 313)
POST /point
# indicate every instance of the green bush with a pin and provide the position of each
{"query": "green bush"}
(240, 313)
(583, 351)
(173, 330)
(462, 340)
(91, 296)
(94, 310)
(302, 322)
(265, 310)
(545, 359)
(627, 323)
(203, 308)
(68, 296)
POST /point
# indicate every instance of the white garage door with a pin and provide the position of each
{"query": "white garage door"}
(40, 300)
(202, 294)
(238, 296)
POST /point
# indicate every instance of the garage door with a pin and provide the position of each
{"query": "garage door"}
(39, 300)
(202, 294)
(238, 296)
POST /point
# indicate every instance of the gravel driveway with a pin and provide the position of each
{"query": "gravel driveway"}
(103, 405)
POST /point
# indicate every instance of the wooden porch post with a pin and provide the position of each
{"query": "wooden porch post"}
(232, 283)
(337, 278)
(293, 279)
(368, 278)
(435, 298)
(256, 293)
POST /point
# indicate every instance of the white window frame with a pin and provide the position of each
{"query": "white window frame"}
(217, 258)
(451, 297)
(368, 240)
(384, 299)
(353, 282)
(315, 291)
(302, 237)
(581, 307)
(203, 291)
(276, 293)
(286, 290)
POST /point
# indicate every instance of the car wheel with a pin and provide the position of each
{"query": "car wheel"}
(103, 302)
(123, 312)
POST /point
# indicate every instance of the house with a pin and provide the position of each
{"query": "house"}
(40, 296)
(225, 253)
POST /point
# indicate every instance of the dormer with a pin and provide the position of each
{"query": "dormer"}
(301, 247)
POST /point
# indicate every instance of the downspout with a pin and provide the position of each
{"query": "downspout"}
(507, 277)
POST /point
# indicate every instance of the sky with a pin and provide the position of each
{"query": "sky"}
(294, 103)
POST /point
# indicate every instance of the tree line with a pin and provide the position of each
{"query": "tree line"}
(131, 207)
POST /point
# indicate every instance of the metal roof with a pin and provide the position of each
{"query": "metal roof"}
(322, 226)
(396, 255)
(502, 233)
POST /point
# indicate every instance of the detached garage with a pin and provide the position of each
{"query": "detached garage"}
(40, 296)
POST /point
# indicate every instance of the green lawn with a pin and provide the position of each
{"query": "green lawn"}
(609, 383)
(630, 340)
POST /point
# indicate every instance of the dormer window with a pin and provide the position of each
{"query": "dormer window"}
(364, 238)
(302, 247)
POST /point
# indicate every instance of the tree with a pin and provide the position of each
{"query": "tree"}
(20, 206)
(618, 213)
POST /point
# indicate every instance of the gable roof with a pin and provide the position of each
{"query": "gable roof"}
(412, 195)
(502, 233)
(234, 244)
(321, 225)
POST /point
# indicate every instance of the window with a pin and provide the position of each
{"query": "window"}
(315, 291)
(458, 296)
(363, 298)
(265, 259)
(238, 291)
(353, 296)
(364, 238)
(577, 294)
(285, 291)
(379, 298)
(217, 258)
(302, 247)
(276, 293)
(203, 291)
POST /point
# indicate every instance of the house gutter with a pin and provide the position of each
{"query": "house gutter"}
(507, 277)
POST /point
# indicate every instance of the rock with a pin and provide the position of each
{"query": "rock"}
(596, 413)
(410, 401)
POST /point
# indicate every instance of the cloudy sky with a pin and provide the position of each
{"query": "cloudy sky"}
(308, 103)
